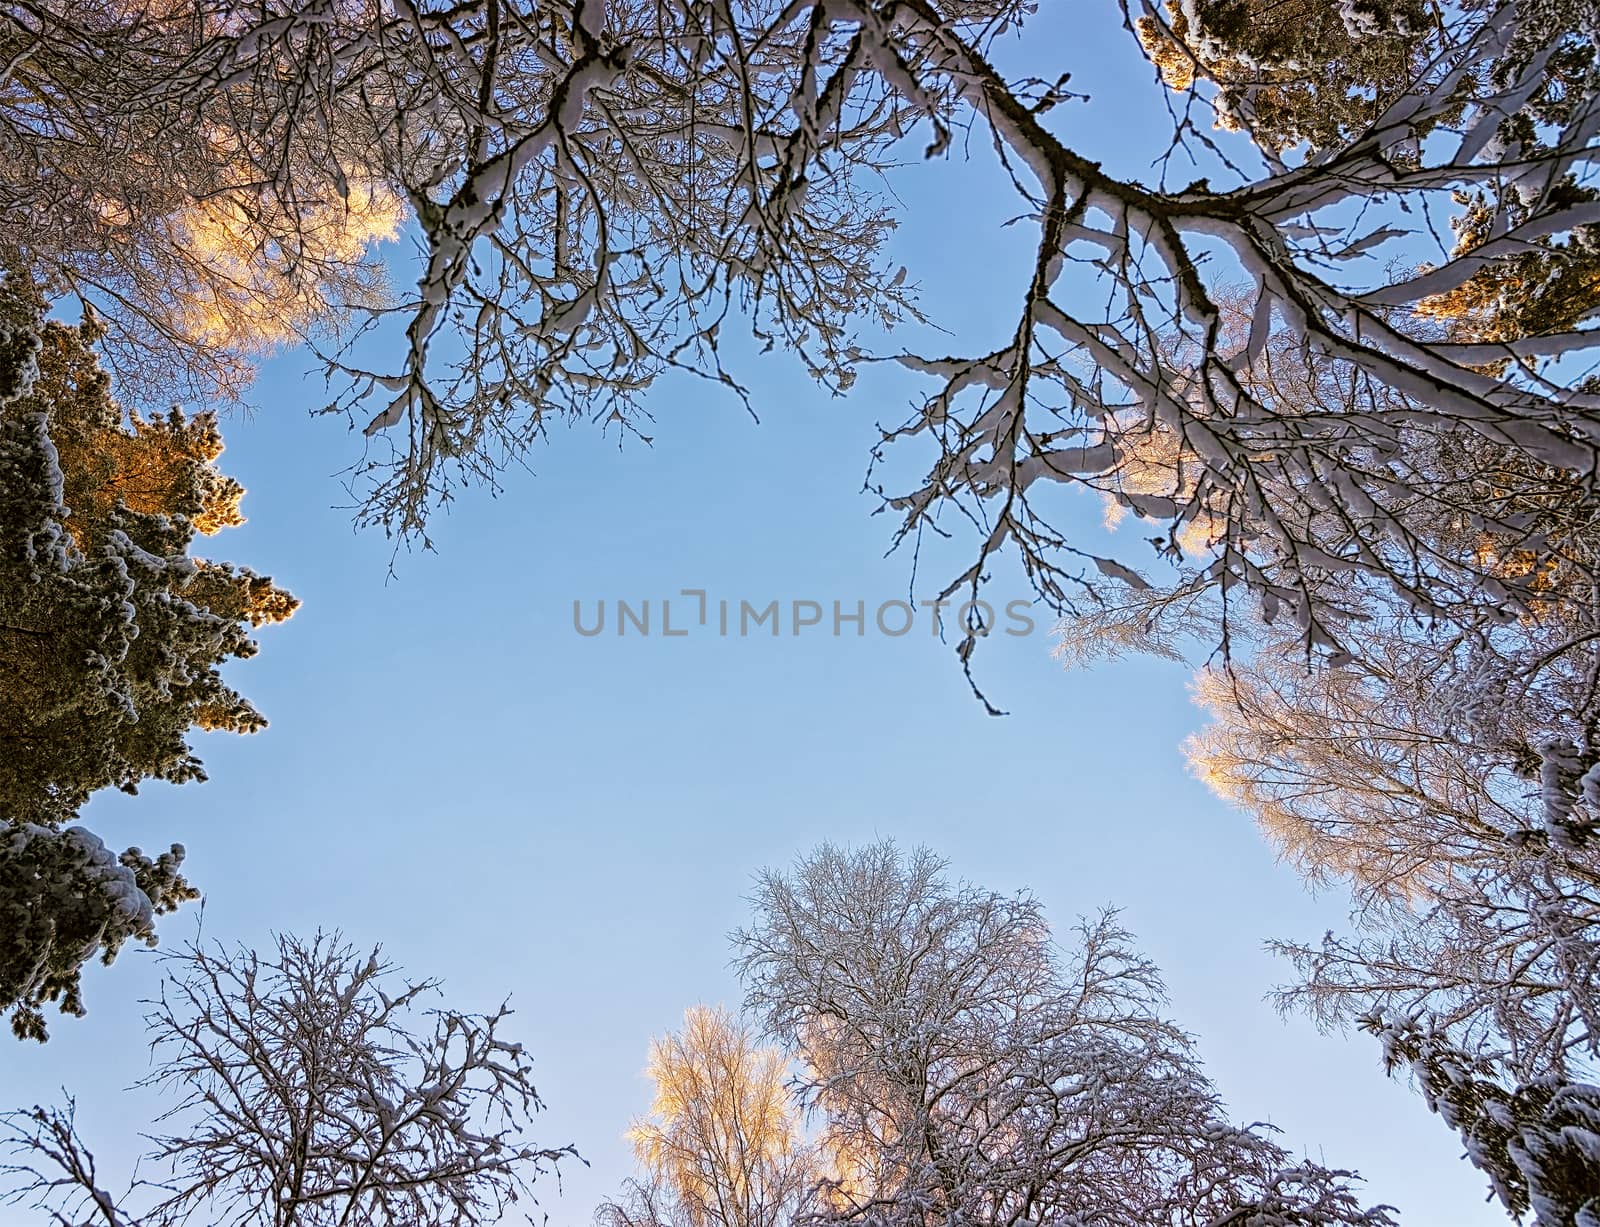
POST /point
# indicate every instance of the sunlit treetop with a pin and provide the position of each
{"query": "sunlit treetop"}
(1292, 71)
(723, 1144)
(112, 639)
(112, 632)
(133, 174)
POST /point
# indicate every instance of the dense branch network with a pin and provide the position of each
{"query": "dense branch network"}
(600, 188)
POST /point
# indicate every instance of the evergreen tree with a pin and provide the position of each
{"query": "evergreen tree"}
(1306, 71)
(1316, 73)
(111, 638)
(1538, 1142)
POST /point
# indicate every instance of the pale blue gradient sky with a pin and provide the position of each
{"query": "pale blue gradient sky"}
(453, 771)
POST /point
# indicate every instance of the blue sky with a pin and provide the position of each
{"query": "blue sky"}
(453, 771)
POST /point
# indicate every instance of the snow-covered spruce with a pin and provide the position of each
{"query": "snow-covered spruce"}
(111, 638)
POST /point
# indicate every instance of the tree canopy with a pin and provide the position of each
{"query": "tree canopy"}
(599, 188)
(723, 1144)
(954, 1065)
(313, 1088)
(111, 636)
(1343, 381)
